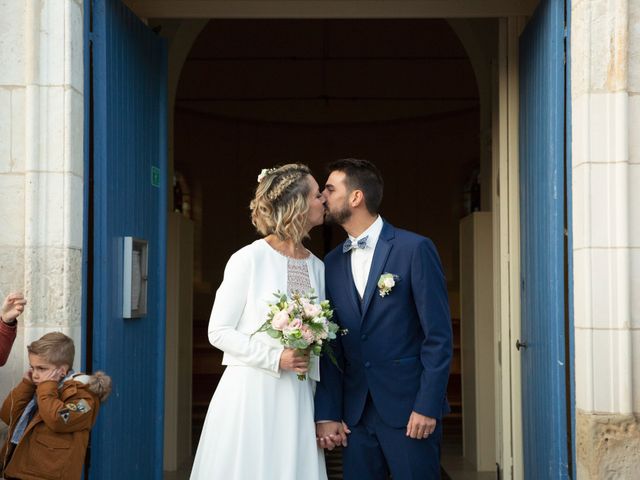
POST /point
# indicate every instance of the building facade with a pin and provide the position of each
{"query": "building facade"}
(46, 209)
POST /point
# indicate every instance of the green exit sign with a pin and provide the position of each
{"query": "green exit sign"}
(155, 176)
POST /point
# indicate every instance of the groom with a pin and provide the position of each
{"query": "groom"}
(394, 361)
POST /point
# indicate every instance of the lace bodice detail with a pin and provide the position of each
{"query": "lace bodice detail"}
(297, 276)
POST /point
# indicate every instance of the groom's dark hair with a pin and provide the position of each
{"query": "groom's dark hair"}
(361, 175)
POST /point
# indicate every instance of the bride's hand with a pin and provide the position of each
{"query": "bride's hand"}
(294, 360)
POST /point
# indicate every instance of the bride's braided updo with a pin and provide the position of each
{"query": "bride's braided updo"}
(281, 204)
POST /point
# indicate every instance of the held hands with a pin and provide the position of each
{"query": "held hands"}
(331, 434)
(12, 307)
(420, 426)
(294, 360)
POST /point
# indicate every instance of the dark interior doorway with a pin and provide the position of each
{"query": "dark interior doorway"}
(258, 93)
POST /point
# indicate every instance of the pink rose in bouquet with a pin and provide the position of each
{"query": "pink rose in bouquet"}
(280, 320)
(307, 334)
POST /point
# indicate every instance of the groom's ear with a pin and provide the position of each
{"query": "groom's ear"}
(357, 198)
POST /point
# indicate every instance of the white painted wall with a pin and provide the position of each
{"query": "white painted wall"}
(179, 344)
(477, 339)
(41, 168)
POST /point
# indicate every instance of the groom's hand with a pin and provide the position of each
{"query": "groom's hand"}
(331, 434)
(420, 426)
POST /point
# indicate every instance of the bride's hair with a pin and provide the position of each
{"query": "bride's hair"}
(281, 204)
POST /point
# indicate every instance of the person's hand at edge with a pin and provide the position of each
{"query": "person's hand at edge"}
(12, 307)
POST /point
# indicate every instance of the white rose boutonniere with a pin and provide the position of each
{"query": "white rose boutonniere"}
(386, 282)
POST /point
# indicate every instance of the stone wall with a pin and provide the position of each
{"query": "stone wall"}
(41, 168)
(605, 74)
(608, 446)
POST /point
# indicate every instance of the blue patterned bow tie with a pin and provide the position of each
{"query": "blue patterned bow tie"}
(348, 244)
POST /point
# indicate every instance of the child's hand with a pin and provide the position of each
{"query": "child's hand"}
(12, 307)
(27, 376)
(54, 375)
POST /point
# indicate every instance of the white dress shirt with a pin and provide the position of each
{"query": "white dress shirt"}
(361, 258)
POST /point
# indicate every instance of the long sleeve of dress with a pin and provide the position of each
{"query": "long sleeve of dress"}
(229, 305)
(7, 336)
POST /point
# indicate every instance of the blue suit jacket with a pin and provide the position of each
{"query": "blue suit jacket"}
(398, 347)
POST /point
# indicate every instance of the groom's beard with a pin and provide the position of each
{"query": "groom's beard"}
(339, 217)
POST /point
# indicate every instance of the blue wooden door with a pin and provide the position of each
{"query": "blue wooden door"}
(127, 177)
(542, 210)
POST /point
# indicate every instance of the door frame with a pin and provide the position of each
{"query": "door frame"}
(505, 159)
(506, 203)
(324, 9)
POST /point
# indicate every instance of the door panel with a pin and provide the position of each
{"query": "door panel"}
(128, 196)
(542, 217)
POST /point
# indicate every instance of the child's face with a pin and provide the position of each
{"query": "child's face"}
(42, 370)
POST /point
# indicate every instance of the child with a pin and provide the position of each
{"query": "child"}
(50, 413)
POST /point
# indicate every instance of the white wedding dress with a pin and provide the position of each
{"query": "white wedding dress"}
(259, 425)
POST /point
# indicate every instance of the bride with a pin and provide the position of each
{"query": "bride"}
(260, 421)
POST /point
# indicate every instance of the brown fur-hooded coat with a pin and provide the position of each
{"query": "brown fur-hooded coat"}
(55, 440)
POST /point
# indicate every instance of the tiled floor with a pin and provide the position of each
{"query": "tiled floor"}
(460, 469)
(453, 464)
(182, 474)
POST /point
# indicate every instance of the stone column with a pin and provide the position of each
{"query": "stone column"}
(41, 168)
(605, 75)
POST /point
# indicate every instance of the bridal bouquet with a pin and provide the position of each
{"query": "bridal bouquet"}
(302, 323)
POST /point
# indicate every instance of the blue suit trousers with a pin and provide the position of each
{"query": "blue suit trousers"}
(375, 449)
